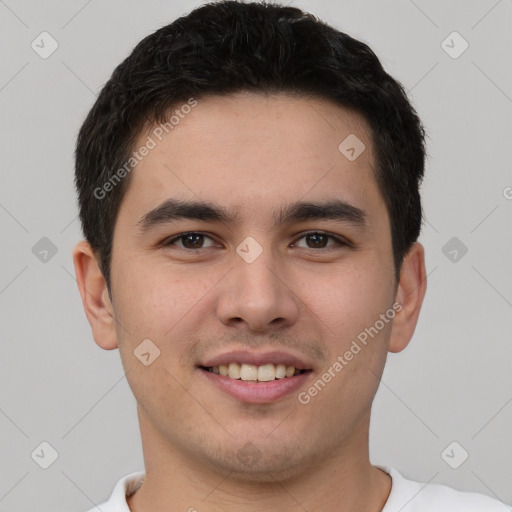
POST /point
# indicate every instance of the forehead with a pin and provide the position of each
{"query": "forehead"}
(250, 150)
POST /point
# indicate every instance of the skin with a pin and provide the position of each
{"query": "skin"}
(254, 154)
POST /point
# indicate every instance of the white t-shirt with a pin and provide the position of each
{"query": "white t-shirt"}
(406, 496)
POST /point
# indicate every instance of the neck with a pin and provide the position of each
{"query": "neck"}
(342, 482)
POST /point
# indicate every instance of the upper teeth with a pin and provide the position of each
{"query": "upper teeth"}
(262, 373)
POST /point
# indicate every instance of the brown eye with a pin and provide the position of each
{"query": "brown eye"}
(190, 241)
(319, 240)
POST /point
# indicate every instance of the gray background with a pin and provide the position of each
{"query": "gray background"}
(453, 383)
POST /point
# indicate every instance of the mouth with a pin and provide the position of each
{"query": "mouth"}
(255, 373)
(256, 378)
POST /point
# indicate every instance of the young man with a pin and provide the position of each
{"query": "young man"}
(249, 193)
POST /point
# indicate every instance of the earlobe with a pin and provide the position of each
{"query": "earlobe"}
(410, 293)
(95, 298)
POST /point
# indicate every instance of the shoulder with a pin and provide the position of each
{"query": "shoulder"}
(125, 487)
(410, 496)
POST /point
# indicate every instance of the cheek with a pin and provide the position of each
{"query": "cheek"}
(349, 300)
(163, 309)
(357, 337)
(149, 298)
(163, 306)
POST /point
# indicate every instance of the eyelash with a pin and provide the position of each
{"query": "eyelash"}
(339, 241)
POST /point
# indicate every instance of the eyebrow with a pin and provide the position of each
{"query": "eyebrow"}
(178, 209)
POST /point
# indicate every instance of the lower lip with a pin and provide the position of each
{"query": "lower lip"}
(257, 392)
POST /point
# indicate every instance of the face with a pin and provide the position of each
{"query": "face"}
(257, 280)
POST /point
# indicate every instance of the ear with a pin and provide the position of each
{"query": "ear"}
(95, 298)
(410, 292)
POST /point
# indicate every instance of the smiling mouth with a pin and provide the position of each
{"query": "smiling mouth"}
(254, 373)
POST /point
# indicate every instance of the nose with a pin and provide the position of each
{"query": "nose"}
(258, 296)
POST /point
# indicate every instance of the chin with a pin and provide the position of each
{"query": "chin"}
(265, 460)
(268, 468)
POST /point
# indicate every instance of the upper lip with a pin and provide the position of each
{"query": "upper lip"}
(257, 359)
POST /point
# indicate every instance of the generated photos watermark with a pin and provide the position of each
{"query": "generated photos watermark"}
(342, 361)
(144, 150)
